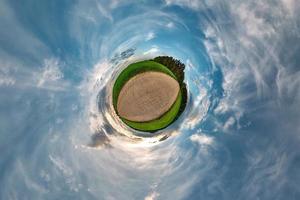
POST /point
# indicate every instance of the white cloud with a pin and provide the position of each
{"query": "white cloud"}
(200, 106)
(51, 72)
(6, 80)
(290, 5)
(288, 85)
(170, 25)
(8, 71)
(254, 24)
(152, 196)
(153, 50)
(150, 36)
(104, 11)
(193, 4)
(201, 139)
(66, 170)
(229, 123)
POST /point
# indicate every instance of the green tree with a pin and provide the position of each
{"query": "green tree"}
(177, 68)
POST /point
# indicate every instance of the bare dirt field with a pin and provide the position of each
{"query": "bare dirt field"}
(147, 96)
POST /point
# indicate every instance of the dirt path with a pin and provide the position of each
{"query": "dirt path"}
(147, 96)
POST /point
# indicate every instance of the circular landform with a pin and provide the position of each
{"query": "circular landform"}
(147, 96)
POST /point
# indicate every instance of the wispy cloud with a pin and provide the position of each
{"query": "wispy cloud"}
(5, 78)
(50, 72)
(152, 196)
(51, 77)
(150, 36)
(193, 4)
(202, 139)
(152, 50)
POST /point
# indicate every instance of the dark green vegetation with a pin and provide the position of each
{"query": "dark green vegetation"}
(154, 65)
(178, 69)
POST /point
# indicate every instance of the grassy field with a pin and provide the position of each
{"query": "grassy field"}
(177, 67)
(133, 70)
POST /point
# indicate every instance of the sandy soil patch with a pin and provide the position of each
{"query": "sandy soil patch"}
(147, 96)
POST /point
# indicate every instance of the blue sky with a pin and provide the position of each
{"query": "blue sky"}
(238, 138)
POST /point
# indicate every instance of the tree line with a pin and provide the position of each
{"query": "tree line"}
(177, 68)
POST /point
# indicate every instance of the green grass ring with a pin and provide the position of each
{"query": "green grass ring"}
(140, 67)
